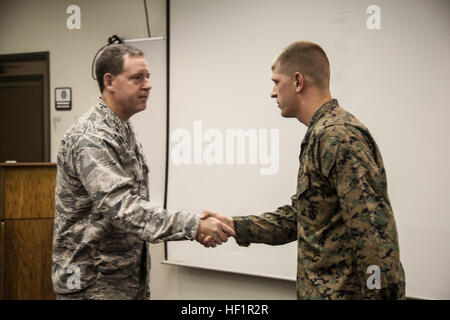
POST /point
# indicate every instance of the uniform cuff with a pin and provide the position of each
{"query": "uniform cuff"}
(242, 231)
(192, 229)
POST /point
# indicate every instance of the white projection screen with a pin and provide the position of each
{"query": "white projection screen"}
(389, 67)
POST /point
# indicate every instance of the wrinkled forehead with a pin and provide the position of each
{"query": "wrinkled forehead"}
(135, 64)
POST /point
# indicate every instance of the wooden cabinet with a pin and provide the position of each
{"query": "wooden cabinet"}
(27, 205)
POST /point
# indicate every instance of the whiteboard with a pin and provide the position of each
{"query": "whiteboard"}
(150, 124)
(394, 79)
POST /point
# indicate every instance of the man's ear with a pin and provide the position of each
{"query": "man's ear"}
(299, 81)
(108, 79)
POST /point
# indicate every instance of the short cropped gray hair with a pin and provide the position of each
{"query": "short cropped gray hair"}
(110, 60)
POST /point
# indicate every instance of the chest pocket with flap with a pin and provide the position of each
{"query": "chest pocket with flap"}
(302, 187)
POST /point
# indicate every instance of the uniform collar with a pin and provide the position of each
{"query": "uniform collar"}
(325, 108)
(112, 119)
(330, 104)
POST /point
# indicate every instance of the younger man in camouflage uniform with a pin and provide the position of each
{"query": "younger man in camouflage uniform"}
(103, 216)
(340, 215)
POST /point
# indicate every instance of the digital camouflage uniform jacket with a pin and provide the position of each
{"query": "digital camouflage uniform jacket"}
(340, 215)
(103, 217)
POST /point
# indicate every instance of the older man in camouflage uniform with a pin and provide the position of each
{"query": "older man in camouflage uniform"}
(103, 217)
(340, 215)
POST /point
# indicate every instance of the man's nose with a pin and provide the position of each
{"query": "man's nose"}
(273, 94)
(147, 85)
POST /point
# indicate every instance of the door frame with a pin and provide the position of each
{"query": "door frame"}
(45, 80)
(38, 78)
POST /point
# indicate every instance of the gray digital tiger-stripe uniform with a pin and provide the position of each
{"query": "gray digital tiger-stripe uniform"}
(103, 217)
(340, 215)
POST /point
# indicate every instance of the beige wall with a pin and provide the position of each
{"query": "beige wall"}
(31, 26)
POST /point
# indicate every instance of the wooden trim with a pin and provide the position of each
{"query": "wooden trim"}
(29, 77)
(47, 109)
(28, 164)
(31, 56)
(2, 194)
(2, 259)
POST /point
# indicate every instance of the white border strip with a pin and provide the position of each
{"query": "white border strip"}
(181, 264)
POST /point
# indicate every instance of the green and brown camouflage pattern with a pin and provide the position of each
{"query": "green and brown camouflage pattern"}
(340, 215)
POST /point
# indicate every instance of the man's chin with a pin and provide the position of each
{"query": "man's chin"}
(139, 108)
(142, 107)
(284, 114)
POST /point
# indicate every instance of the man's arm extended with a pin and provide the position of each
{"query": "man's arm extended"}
(113, 192)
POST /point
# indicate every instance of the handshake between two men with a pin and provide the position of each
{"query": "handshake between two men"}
(214, 229)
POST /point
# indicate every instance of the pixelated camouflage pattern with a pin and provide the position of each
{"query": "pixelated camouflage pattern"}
(103, 217)
(340, 215)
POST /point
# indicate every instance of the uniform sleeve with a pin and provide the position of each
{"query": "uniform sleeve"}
(360, 183)
(113, 193)
(273, 228)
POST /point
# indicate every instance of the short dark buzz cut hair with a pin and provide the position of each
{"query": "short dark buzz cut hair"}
(305, 57)
(110, 60)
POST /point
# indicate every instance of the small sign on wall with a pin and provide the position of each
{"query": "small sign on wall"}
(63, 98)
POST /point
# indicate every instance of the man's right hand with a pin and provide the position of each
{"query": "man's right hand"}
(206, 239)
(227, 220)
(214, 231)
